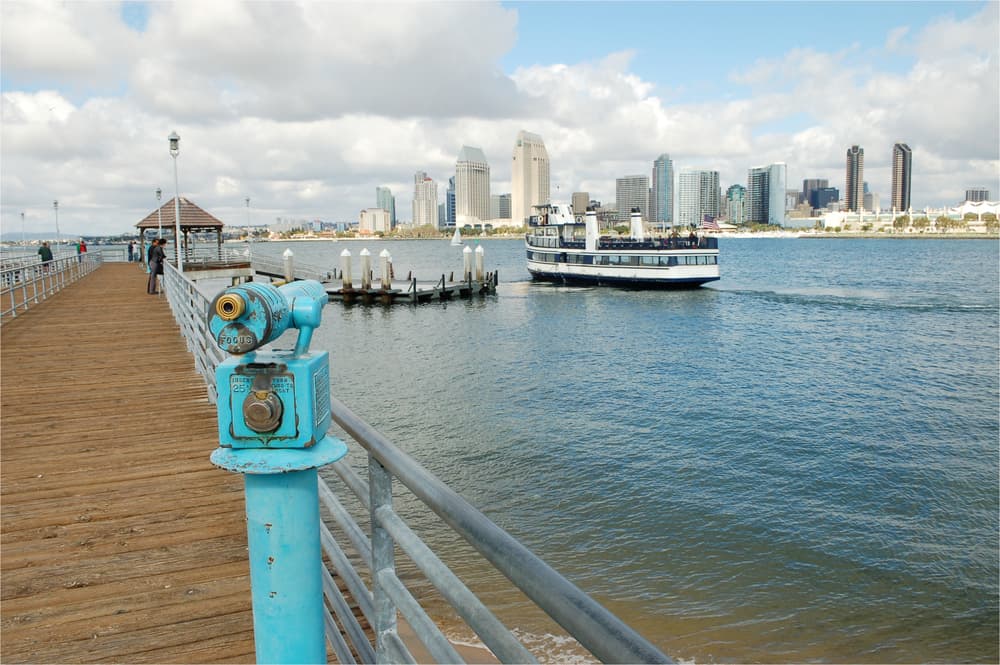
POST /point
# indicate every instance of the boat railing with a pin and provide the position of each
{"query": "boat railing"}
(626, 244)
(26, 284)
(368, 575)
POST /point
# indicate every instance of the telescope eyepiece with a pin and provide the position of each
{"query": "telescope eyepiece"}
(230, 306)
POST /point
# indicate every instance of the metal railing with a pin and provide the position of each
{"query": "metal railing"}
(26, 284)
(384, 594)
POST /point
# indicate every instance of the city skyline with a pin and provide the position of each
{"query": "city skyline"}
(285, 114)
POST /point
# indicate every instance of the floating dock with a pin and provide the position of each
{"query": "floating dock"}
(385, 289)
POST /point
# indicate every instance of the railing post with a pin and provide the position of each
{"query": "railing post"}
(466, 264)
(383, 557)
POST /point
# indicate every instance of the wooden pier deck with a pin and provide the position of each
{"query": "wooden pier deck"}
(119, 541)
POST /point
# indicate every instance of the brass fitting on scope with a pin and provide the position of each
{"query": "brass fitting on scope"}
(230, 306)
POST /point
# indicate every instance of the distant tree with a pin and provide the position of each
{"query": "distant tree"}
(945, 223)
(970, 217)
(921, 223)
(992, 225)
(900, 223)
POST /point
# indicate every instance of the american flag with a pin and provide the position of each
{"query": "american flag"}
(710, 223)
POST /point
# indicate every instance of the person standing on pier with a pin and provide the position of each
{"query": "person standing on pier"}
(45, 255)
(157, 255)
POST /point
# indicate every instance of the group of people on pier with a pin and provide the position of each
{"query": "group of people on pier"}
(156, 256)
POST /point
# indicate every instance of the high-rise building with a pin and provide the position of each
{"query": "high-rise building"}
(902, 171)
(632, 191)
(661, 196)
(854, 184)
(736, 204)
(809, 185)
(449, 203)
(977, 194)
(580, 202)
(529, 180)
(472, 187)
(373, 220)
(765, 197)
(425, 203)
(822, 197)
(500, 205)
(385, 200)
(697, 197)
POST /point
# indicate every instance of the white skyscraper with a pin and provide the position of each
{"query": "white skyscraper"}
(529, 176)
(697, 197)
(425, 203)
(472, 187)
(765, 197)
(632, 191)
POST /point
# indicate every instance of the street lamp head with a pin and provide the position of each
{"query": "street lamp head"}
(55, 204)
(158, 193)
(175, 143)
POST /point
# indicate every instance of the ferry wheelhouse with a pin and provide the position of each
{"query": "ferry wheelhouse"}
(563, 248)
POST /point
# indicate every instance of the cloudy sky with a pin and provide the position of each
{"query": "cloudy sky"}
(306, 107)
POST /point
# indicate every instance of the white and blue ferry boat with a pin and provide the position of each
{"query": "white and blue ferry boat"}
(563, 248)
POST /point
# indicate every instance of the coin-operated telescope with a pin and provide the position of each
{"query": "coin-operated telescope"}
(273, 413)
(273, 399)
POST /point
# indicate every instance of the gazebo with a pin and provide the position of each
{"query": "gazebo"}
(193, 218)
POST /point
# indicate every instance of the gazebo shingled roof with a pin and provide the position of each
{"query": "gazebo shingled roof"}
(193, 218)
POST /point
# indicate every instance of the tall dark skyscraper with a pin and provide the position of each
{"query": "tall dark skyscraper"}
(854, 195)
(902, 171)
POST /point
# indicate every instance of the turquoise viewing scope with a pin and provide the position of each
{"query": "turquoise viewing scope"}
(246, 317)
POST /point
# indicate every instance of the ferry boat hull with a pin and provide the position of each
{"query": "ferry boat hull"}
(633, 279)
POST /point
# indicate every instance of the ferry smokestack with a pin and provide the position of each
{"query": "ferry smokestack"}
(636, 226)
(590, 225)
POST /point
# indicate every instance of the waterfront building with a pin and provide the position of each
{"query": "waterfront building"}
(736, 204)
(902, 171)
(632, 191)
(425, 203)
(765, 197)
(697, 197)
(977, 194)
(855, 177)
(500, 207)
(872, 201)
(810, 185)
(661, 195)
(529, 184)
(385, 200)
(373, 220)
(472, 187)
(580, 202)
(449, 204)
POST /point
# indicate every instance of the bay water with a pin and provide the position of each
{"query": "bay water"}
(798, 462)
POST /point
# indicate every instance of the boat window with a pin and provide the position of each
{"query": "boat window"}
(650, 260)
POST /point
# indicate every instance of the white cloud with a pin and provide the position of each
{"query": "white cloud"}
(307, 107)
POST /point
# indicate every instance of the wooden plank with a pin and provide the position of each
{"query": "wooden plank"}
(120, 541)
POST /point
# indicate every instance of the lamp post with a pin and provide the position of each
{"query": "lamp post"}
(55, 206)
(175, 143)
(159, 215)
(22, 229)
